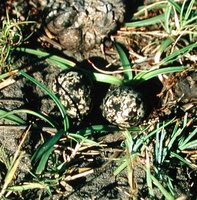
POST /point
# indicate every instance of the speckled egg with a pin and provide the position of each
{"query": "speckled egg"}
(75, 92)
(123, 106)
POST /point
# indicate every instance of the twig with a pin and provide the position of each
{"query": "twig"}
(23, 127)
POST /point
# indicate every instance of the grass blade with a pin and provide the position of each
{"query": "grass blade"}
(43, 160)
(148, 175)
(176, 5)
(52, 95)
(183, 144)
(26, 186)
(121, 167)
(180, 52)
(26, 111)
(191, 145)
(167, 18)
(42, 154)
(141, 77)
(186, 162)
(145, 138)
(162, 48)
(7, 74)
(9, 115)
(153, 6)
(162, 189)
(10, 175)
(189, 9)
(106, 78)
(48, 56)
(125, 62)
(146, 22)
(96, 129)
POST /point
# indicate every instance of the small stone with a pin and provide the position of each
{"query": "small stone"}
(186, 88)
(123, 106)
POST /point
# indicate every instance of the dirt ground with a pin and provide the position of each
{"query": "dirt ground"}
(89, 174)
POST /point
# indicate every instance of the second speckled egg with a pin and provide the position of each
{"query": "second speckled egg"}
(123, 106)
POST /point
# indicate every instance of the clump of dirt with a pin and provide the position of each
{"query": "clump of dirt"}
(81, 25)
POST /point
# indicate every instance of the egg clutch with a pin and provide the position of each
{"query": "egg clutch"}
(122, 105)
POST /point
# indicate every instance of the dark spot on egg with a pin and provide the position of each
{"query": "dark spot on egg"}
(75, 92)
(123, 106)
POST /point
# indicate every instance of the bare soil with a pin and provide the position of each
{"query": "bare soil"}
(89, 170)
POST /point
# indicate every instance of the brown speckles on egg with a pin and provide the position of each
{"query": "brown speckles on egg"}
(74, 90)
(123, 107)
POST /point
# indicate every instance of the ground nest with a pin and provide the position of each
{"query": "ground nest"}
(79, 116)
